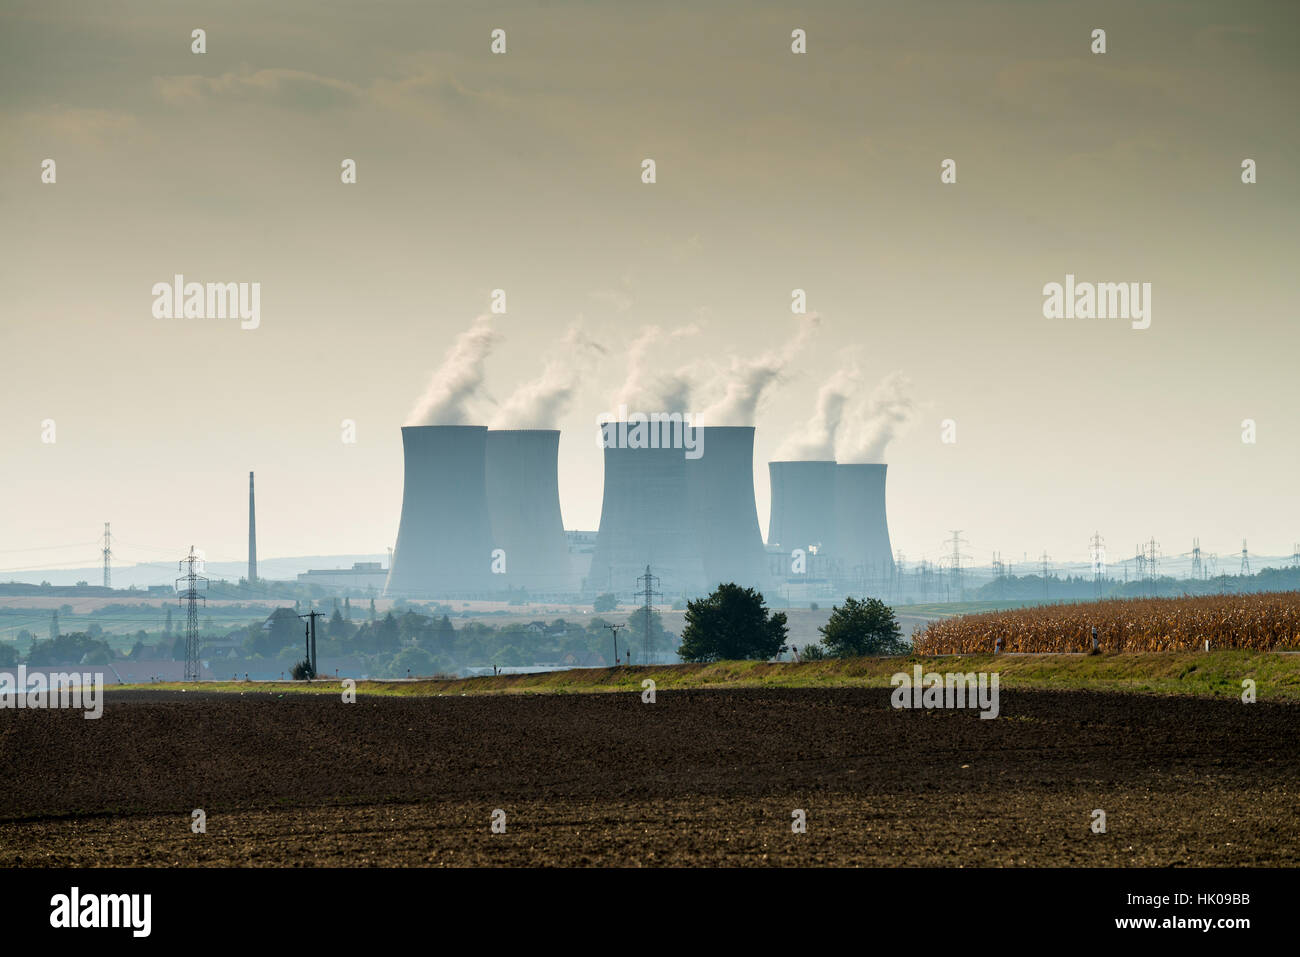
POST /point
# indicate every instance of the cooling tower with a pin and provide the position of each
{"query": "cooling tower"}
(645, 516)
(726, 518)
(444, 541)
(860, 542)
(523, 495)
(803, 504)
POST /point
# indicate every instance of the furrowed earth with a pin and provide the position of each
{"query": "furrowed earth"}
(704, 777)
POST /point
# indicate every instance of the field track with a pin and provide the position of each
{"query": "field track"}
(699, 777)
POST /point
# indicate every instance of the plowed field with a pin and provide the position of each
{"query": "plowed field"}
(704, 777)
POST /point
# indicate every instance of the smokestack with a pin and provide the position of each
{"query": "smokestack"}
(861, 538)
(523, 495)
(726, 518)
(444, 539)
(252, 533)
(646, 516)
(803, 504)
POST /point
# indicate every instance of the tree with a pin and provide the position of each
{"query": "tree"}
(387, 635)
(54, 625)
(372, 609)
(859, 628)
(660, 640)
(732, 623)
(606, 602)
(347, 608)
(415, 660)
(8, 655)
(76, 648)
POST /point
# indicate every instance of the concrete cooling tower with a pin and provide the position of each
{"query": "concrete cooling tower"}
(523, 496)
(726, 518)
(646, 515)
(803, 504)
(860, 543)
(444, 541)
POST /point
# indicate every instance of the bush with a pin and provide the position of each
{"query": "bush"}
(859, 628)
(302, 671)
(606, 602)
(812, 652)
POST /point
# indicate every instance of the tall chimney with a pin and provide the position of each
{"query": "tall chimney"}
(252, 533)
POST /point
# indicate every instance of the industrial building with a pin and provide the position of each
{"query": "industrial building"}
(481, 518)
(444, 537)
(523, 495)
(725, 515)
(860, 542)
(647, 517)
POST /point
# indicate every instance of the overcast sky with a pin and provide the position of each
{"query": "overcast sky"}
(522, 172)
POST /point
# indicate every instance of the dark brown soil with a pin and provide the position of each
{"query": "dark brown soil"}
(696, 778)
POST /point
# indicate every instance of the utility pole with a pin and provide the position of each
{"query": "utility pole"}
(311, 638)
(108, 557)
(649, 593)
(1198, 567)
(191, 594)
(999, 574)
(1245, 560)
(614, 629)
(1045, 560)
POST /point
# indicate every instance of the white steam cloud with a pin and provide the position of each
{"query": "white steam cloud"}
(540, 403)
(748, 379)
(877, 420)
(816, 440)
(649, 389)
(458, 379)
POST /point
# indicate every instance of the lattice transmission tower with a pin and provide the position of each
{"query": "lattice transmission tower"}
(648, 593)
(108, 557)
(190, 588)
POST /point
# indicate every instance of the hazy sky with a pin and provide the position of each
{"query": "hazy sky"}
(522, 172)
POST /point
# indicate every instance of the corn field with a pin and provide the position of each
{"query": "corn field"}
(1263, 621)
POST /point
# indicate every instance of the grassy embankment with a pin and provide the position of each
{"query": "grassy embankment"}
(1213, 674)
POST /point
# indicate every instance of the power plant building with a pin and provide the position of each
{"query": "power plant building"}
(647, 514)
(860, 543)
(444, 539)
(523, 495)
(726, 516)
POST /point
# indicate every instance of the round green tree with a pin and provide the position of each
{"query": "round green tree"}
(860, 628)
(731, 624)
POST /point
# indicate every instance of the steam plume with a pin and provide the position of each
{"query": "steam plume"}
(816, 440)
(748, 379)
(877, 421)
(540, 403)
(458, 379)
(646, 388)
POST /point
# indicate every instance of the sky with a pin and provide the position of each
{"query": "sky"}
(775, 171)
